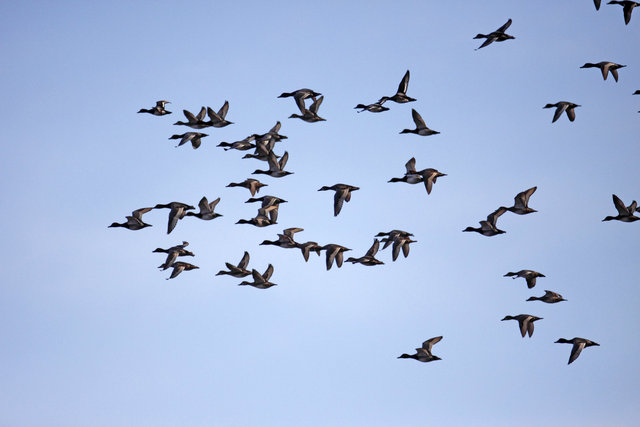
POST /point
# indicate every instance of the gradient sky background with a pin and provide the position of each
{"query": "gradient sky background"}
(93, 334)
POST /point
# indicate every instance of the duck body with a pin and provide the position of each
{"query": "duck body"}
(549, 297)
(253, 185)
(334, 252)
(177, 212)
(373, 108)
(194, 137)
(179, 267)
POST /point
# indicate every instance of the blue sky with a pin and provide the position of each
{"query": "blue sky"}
(92, 332)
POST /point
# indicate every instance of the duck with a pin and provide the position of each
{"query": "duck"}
(525, 321)
(578, 345)
(269, 201)
(300, 95)
(179, 267)
(218, 120)
(178, 211)
(206, 209)
(369, 258)
(521, 202)
(399, 243)
(625, 213)
(260, 220)
(260, 281)
(237, 271)
(549, 297)
(276, 167)
(627, 8)
(529, 275)
(134, 222)
(343, 194)
(392, 235)
(429, 176)
(285, 240)
(173, 253)
(158, 110)
(336, 252)
(605, 67)
(401, 95)
(373, 108)
(194, 122)
(253, 185)
(242, 145)
(310, 115)
(498, 35)
(489, 227)
(271, 134)
(194, 137)
(424, 354)
(421, 127)
(561, 107)
(307, 247)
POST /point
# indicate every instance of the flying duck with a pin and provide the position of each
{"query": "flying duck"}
(194, 137)
(561, 107)
(253, 185)
(134, 222)
(525, 321)
(179, 267)
(285, 240)
(605, 67)
(489, 227)
(627, 8)
(237, 271)
(269, 201)
(423, 354)
(374, 108)
(206, 209)
(625, 213)
(194, 122)
(343, 194)
(158, 110)
(307, 247)
(177, 212)
(429, 176)
(549, 297)
(521, 202)
(421, 127)
(260, 281)
(299, 96)
(498, 35)
(218, 120)
(401, 95)
(276, 167)
(528, 275)
(173, 253)
(260, 220)
(310, 115)
(578, 345)
(369, 258)
(242, 145)
(334, 252)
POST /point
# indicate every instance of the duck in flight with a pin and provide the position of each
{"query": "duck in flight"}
(276, 167)
(605, 67)
(194, 121)
(134, 222)
(253, 185)
(424, 353)
(343, 194)
(401, 95)
(177, 212)
(521, 202)
(549, 297)
(260, 281)
(237, 271)
(373, 108)
(219, 119)
(336, 252)
(625, 213)
(529, 275)
(369, 258)
(627, 8)
(578, 345)
(310, 115)
(194, 137)
(421, 127)
(300, 95)
(489, 227)
(498, 35)
(158, 110)
(179, 267)
(525, 321)
(561, 107)
(206, 209)
(173, 253)
(429, 176)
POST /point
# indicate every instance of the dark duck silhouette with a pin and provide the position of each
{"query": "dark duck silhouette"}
(158, 110)
(525, 321)
(625, 213)
(578, 345)
(498, 35)
(423, 354)
(401, 95)
(134, 221)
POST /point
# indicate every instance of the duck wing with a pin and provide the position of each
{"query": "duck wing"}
(222, 112)
(522, 199)
(531, 281)
(268, 272)
(575, 351)
(331, 256)
(373, 250)
(417, 118)
(404, 84)
(411, 166)
(529, 326)
(213, 204)
(316, 105)
(289, 232)
(137, 214)
(493, 217)
(560, 108)
(504, 27)
(620, 207)
(405, 248)
(571, 113)
(627, 8)
(213, 115)
(174, 215)
(338, 200)
(283, 160)
(244, 261)
(189, 115)
(204, 205)
(428, 344)
(201, 114)
(339, 258)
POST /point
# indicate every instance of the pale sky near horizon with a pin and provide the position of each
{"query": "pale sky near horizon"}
(92, 332)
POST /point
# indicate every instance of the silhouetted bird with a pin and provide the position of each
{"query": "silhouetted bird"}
(401, 95)
(194, 122)
(177, 212)
(549, 297)
(300, 95)
(218, 120)
(334, 251)
(374, 108)
(260, 281)
(627, 8)
(179, 267)
(237, 271)
(578, 345)
(489, 227)
(194, 137)
(525, 321)
(206, 209)
(158, 110)
(561, 107)
(134, 222)
(343, 194)
(625, 213)
(421, 127)
(498, 35)
(521, 202)
(173, 253)
(528, 275)
(369, 258)
(310, 115)
(605, 67)
(253, 185)
(424, 353)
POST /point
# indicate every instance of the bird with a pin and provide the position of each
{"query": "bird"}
(521, 202)
(194, 122)
(134, 222)
(260, 281)
(260, 220)
(525, 321)
(194, 137)
(253, 185)
(276, 167)
(498, 35)
(605, 67)
(578, 345)
(336, 252)
(399, 243)
(374, 108)
(625, 213)
(285, 240)
(423, 354)
(300, 95)
(528, 275)
(173, 253)
(218, 120)
(307, 247)
(343, 194)
(158, 110)
(237, 271)
(549, 297)
(269, 201)
(561, 107)
(489, 227)
(421, 127)
(206, 209)
(177, 212)
(310, 115)
(627, 8)
(179, 267)
(242, 145)
(401, 95)
(369, 258)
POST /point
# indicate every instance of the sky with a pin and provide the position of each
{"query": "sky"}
(93, 334)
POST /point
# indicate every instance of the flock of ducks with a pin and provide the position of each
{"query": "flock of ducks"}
(263, 149)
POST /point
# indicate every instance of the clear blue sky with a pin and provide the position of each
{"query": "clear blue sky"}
(93, 334)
